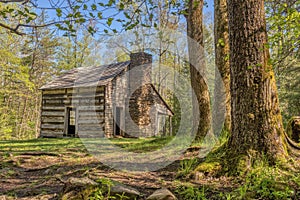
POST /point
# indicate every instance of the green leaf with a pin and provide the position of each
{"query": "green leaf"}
(127, 15)
(250, 67)
(77, 15)
(92, 15)
(121, 6)
(94, 7)
(58, 12)
(100, 15)
(91, 30)
(76, 7)
(145, 25)
(85, 7)
(151, 17)
(82, 20)
(131, 26)
(109, 21)
(221, 42)
(29, 19)
(20, 12)
(110, 2)
(26, 9)
(32, 13)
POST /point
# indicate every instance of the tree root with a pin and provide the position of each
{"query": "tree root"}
(39, 154)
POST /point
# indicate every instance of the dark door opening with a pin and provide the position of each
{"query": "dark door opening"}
(118, 130)
(71, 122)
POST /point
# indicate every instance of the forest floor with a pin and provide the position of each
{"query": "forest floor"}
(40, 169)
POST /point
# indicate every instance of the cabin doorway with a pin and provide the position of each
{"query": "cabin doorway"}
(118, 121)
(71, 115)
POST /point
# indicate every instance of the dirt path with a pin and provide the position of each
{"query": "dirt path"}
(41, 175)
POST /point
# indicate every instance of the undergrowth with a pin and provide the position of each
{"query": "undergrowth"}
(261, 181)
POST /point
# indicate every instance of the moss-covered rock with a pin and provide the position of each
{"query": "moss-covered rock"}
(78, 188)
(208, 167)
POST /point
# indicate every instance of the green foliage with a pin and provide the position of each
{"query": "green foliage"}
(103, 191)
(26, 63)
(208, 167)
(75, 51)
(189, 192)
(266, 183)
(186, 167)
(284, 31)
(225, 196)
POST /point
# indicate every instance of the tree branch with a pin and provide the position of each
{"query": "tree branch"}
(14, 1)
(16, 29)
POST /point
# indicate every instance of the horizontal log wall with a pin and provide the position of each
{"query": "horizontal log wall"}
(89, 104)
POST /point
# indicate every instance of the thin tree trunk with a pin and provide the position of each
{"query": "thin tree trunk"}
(23, 117)
(257, 128)
(37, 114)
(201, 99)
(222, 107)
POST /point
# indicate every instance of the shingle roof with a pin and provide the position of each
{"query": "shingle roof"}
(87, 76)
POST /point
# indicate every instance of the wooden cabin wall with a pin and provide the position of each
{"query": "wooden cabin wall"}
(90, 106)
(116, 94)
(109, 128)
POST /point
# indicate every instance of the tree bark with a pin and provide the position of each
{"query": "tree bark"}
(257, 128)
(201, 99)
(222, 107)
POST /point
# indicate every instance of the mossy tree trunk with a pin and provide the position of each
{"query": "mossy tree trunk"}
(257, 128)
(201, 99)
(222, 107)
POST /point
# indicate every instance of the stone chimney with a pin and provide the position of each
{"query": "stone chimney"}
(139, 70)
(140, 97)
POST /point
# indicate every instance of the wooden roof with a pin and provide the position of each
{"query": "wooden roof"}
(87, 76)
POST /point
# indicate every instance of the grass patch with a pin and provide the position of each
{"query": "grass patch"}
(189, 191)
(61, 145)
(186, 167)
(268, 182)
(41, 145)
(142, 144)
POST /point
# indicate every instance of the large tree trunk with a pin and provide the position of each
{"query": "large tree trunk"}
(222, 107)
(257, 128)
(201, 100)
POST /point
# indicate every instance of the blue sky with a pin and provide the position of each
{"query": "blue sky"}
(210, 6)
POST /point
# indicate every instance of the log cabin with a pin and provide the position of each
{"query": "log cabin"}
(115, 100)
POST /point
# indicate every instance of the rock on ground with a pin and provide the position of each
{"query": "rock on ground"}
(162, 194)
(78, 188)
(124, 190)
